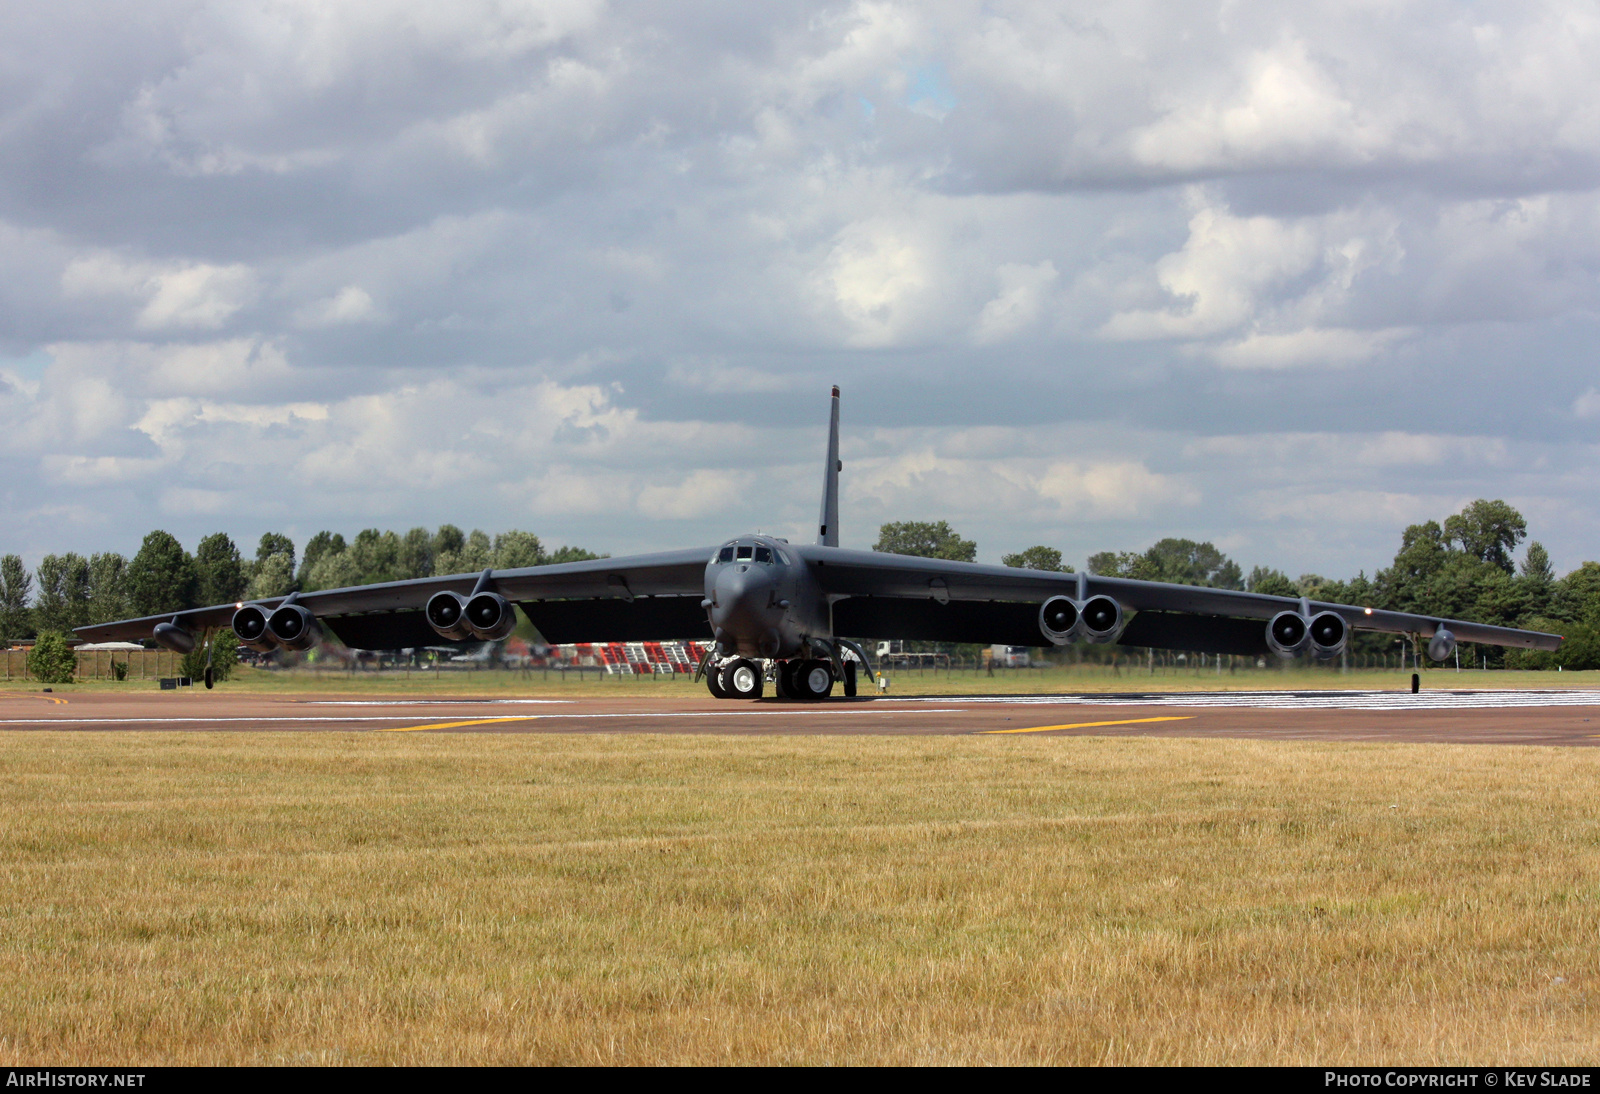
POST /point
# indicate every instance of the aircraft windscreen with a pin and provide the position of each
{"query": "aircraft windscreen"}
(726, 554)
(763, 554)
(744, 552)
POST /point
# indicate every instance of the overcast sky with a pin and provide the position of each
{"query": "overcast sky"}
(1285, 277)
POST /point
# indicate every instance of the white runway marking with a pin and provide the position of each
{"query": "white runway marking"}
(1300, 700)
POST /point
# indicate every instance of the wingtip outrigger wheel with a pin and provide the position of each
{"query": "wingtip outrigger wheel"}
(211, 642)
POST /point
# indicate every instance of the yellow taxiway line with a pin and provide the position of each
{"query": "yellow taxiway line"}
(454, 725)
(1089, 725)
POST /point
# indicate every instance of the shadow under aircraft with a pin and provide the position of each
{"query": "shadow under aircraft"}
(781, 610)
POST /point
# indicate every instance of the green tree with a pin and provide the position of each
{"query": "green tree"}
(449, 540)
(474, 555)
(1487, 531)
(1407, 583)
(570, 554)
(1538, 579)
(1121, 564)
(108, 587)
(926, 539)
(16, 587)
(321, 544)
(375, 556)
(416, 553)
(333, 570)
(51, 661)
(219, 570)
(63, 599)
(513, 550)
(1576, 597)
(161, 577)
(1037, 558)
(1270, 582)
(1175, 561)
(272, 577)
(274, 543)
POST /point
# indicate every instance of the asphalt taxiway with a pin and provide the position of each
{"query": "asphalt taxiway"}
(1555, 717)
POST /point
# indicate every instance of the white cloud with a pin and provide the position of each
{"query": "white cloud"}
(195, 295)
(1021, 300)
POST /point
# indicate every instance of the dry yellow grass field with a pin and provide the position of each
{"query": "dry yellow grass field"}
(395, 898)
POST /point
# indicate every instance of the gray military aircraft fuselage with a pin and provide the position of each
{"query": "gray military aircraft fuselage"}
(781, 611)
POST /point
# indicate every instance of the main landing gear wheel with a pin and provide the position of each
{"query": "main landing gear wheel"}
(714, 682)
(849, 679)
(813, 679)
(742, 680)
(786, 685)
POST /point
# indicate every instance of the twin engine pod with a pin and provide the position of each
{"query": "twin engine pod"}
(289, 627)
(1324, 634)
(485, 616)
(1063, 620)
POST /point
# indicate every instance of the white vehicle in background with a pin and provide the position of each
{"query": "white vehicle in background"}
(1010, 657)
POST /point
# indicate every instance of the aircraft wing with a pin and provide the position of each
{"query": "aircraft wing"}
(879, 595)
(638, 598)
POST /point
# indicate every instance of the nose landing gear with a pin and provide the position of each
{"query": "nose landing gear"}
(808, 679)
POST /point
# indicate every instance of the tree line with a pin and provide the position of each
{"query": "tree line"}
(1463, 568)
(69, 590)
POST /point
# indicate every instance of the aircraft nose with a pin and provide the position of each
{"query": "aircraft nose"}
(743, 594)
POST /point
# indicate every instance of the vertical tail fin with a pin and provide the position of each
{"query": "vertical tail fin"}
(828, 525)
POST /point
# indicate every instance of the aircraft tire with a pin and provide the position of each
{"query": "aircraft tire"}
(714, 682)
(786, 685)
(742, 679)
(849, 679)
(814, 680)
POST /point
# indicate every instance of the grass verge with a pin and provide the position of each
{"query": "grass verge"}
(372, 899)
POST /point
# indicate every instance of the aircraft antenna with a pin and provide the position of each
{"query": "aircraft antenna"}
(828, 524)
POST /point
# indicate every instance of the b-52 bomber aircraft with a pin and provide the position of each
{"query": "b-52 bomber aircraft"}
(781, 609)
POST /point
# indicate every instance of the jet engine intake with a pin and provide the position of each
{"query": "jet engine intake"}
(1058, 619)
(490, 617)
(1441, 645)
(1288, 634)
(250, 627)
(1102, 619)
(173, 637)
(447, 615)
(1329, 633)
(293, 628)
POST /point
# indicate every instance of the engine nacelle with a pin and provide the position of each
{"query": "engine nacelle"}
(1288, 634)
(293, 628)
(490, 617)
(1058, 619)
(1441, 645)
(173, 637)
(250, 627)
(447, 615)
(1329, 633)
(1101, 619)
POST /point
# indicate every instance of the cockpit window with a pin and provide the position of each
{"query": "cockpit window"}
(763, 554)
(744, 551)
(726, 554)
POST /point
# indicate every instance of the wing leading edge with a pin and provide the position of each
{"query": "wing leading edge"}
(637, 598)
(898, 596)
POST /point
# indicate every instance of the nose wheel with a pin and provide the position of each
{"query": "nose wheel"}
(741, 679)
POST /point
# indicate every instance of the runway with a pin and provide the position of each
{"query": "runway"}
(1482, 717)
